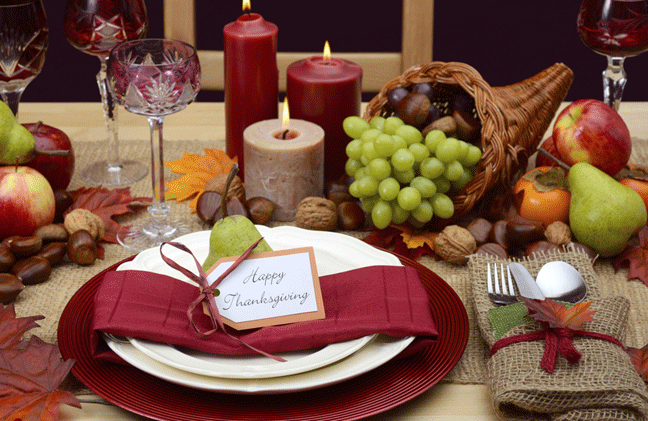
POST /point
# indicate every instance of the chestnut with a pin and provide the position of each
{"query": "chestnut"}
(350, 215)
(53, 252)
(480, 228)
(7, 258)
(32, 270)
(492, 249)
(10, 287)
(26, 246)
(81, 248)
(260, 209)
(540, 247)
(414, 109)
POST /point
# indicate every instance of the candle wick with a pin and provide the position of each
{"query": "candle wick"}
(285, 133)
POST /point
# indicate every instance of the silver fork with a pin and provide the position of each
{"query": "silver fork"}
(500, 288)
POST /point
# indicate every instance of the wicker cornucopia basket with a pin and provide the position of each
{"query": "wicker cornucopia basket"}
(513, 118)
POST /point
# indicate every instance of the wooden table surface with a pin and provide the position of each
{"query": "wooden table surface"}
(205, 121)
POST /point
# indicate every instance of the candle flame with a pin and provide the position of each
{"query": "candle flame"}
(285, 119)
(246, 6)
(327, 51)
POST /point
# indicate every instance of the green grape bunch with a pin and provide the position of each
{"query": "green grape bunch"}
(401, 176)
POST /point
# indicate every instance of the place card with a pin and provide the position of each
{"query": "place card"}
(269, 288)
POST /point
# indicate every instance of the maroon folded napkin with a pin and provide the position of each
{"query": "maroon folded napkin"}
(390, 300)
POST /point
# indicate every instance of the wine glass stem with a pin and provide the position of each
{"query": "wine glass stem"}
(614, 81)
(158, 209)
(12, 99)
(110, 116)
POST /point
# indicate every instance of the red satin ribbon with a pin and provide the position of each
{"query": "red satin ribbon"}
(558, 340)
(207, 293)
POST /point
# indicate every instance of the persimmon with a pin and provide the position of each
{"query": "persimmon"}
(541, 195)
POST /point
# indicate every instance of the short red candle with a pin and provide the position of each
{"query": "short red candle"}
(251, 78)
(325, 92)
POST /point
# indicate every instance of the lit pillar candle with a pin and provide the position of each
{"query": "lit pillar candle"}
(284, 162)
(325, 90)
(251, 77)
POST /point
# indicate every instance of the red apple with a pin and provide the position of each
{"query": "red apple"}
(57, 169)
(591, 131)
(26, 201)
(548, 146)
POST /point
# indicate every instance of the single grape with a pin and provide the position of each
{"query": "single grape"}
(370, 135)
(388, 189)
(463, 180)
(391, 124)
(377, 122)
(425, 186)
(454, 171)
(380, 169)
(409, 198)
(473, 156)
(381, 214)
(463, 147)
(400, 142)
(354, 126)
(361, 172)
(395, 95)
(354, 149)
(442, 184)
(433, 138)
(368, 186)
(410, 133)
(420, 152)
(399, 215)
(353, 190)
(352, 166)
(431, 168)
(448, 150)
(385, 145)
(402, 160)
(367, 203)
(442, 205)
(369, 151)
(424, 212)
(404, 177)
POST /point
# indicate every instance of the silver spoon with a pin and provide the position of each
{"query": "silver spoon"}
(560, 281)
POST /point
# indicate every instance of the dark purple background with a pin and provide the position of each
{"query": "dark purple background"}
(506, 41)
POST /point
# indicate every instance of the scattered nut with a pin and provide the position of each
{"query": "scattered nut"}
(558, 233)
(350, 215)
(51, 232)
(480, 228)
(32, 270)
(260, 209)
(7, 258)
(446, 124)
(63, 200)
(53, 252)
(26, 246)
(338, 191)
(317, 213)
(468, 127)
(217, 184)
(540, 247)
(81, 248)
(454, 244)
(10, 287)
(83, 219)
(492, 249)
(414, 108)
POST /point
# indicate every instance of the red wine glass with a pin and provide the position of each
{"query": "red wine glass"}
(95, 27)
(616, 29)
(23, 43)
(154, 78)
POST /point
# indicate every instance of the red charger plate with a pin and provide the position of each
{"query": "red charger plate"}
(374, 392)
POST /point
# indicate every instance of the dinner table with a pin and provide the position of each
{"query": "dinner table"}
(461, 395)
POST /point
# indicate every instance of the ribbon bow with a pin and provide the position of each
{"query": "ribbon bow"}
(207, 293)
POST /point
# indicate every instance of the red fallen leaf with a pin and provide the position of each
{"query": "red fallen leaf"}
(639, 358)
(637, 258)
(404, 241)
(557, 315)
(12, 329)
(105, 203)
(29, 379)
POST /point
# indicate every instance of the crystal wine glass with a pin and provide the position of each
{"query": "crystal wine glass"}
(95, 27)
(154, 77)
(616, 29)
(23, 43)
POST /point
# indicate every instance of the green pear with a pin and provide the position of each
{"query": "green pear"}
(232, 235)
(603, 213)
(17, 144)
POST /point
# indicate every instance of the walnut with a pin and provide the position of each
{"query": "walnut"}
(454, 244)
(218, 182)
(317, 213)
(83, 219)
(558, 233)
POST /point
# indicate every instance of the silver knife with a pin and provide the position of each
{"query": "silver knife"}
(525, 282)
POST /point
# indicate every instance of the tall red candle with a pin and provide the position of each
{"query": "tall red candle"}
(251, 78)
(325, 90)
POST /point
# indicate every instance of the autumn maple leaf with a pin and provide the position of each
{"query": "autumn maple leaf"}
(13, 329)
(639, 358)
(637, 258)
(406, 241)
(197, 170)
(557, 315)
(106, 203)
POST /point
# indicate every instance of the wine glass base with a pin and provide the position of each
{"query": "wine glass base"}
(102, 173)
(145, 236)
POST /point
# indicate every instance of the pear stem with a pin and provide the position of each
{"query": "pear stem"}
(554, 159)
(228, 182)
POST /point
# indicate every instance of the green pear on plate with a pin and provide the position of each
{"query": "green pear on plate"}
(603, 213)
(17, 144)
(232, 235)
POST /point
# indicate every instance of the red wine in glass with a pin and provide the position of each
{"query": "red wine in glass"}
(616, 29)
(95, 27)
(23, 43)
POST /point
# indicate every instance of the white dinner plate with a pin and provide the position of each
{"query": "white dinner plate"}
(333, 253)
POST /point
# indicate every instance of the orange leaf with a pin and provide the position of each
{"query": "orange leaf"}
(557, 315)
(637, 258)
(197, 170)
(639, 358)
(416, 239)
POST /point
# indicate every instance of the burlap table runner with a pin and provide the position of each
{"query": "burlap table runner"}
(50, 298)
